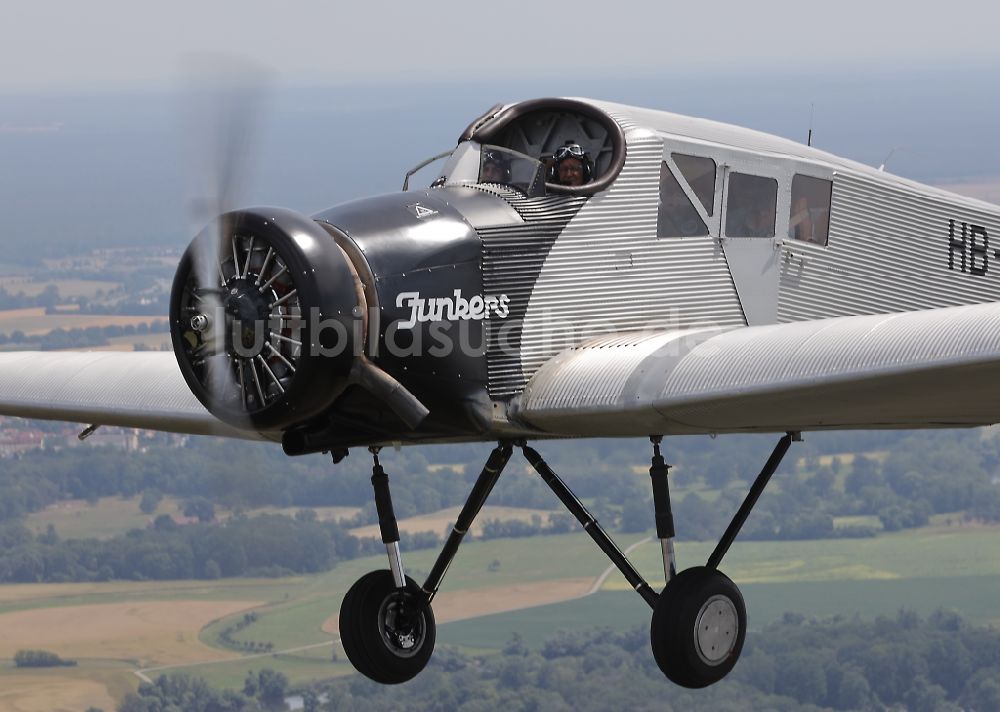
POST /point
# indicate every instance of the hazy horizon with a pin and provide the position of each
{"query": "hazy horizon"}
(115, 43)
(112, 167)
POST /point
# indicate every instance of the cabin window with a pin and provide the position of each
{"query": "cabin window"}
(676, 215)
(699, 172)
(809, 215)
(750, 206)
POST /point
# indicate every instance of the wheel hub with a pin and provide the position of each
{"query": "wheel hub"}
(716, 630)
(402, 628)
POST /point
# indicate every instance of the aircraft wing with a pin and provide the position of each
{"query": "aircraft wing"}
(938, 367)
(131, 389)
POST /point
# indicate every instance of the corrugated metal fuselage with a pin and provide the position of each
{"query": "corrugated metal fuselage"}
(893, 246)
(570, 268)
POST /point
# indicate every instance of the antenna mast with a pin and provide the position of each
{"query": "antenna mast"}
(809, 138)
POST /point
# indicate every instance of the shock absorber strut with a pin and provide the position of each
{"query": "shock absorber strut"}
(661, 506)
(387, 519)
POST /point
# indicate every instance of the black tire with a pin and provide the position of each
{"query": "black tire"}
(388, 634)
(691, 648)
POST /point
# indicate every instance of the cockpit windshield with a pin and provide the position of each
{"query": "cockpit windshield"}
(516, 170)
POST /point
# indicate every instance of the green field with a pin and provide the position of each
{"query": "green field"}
(952, 567)
(975, 597)
(111, 516)
(108, 517)
(920, 570)
(919, 553)
(301, 667)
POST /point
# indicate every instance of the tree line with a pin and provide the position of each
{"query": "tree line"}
(937, 664)
(265, 545)
(940, 664)
(79, 337)
(40, 658)
(262, 690)
(917, 475)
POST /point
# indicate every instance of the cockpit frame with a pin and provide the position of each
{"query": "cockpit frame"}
(490, 129)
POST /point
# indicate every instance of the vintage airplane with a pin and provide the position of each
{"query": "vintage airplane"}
(684, 276)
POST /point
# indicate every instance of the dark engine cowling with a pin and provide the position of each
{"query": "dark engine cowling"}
(266, 317)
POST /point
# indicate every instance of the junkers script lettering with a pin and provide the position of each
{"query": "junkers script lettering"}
(451, 308)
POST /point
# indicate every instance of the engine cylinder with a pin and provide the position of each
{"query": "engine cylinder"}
(265, 318)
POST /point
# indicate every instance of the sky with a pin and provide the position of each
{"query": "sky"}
(95, 149)
(102, 44)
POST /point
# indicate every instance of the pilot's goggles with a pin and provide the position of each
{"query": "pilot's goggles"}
(571, 151)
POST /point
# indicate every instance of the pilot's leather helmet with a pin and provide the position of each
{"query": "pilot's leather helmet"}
(571, 150)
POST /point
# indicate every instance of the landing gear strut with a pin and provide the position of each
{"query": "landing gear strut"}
(386, 627)
(699, 620)
(386, 622)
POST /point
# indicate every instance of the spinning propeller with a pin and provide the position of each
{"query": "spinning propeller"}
(268, 317)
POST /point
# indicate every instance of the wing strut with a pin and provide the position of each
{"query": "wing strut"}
(699, 619)
(591, 526)
(751, 499)
(477, 498)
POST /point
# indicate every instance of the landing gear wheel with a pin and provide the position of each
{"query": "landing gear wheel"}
(698, 627)
(387, 633)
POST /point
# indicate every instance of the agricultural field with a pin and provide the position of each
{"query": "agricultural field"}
(955, 568)
(112, 630)
(152, 342)
(916, 553)
(123, 632)
(34, 320)
(141, 633)
(133, 630)
(440, 522)
(111, 516)
(108, 517)
(323, 514)
(65, 689)
(68, 288)
(118, 629)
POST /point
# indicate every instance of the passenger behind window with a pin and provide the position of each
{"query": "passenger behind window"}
(758, 223)
(751, 220)
(809, 215)
(750, 209)
(676, 216)
(496, 167)
(571, 165)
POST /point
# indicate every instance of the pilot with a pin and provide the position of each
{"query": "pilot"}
(496, 167)
(571, 165)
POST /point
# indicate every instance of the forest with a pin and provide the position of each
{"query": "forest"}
(938, 664)
(909, 480)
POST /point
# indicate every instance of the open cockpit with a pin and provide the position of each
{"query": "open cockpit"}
(539, 147)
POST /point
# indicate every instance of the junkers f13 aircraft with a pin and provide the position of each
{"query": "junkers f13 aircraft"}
(579, 269)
